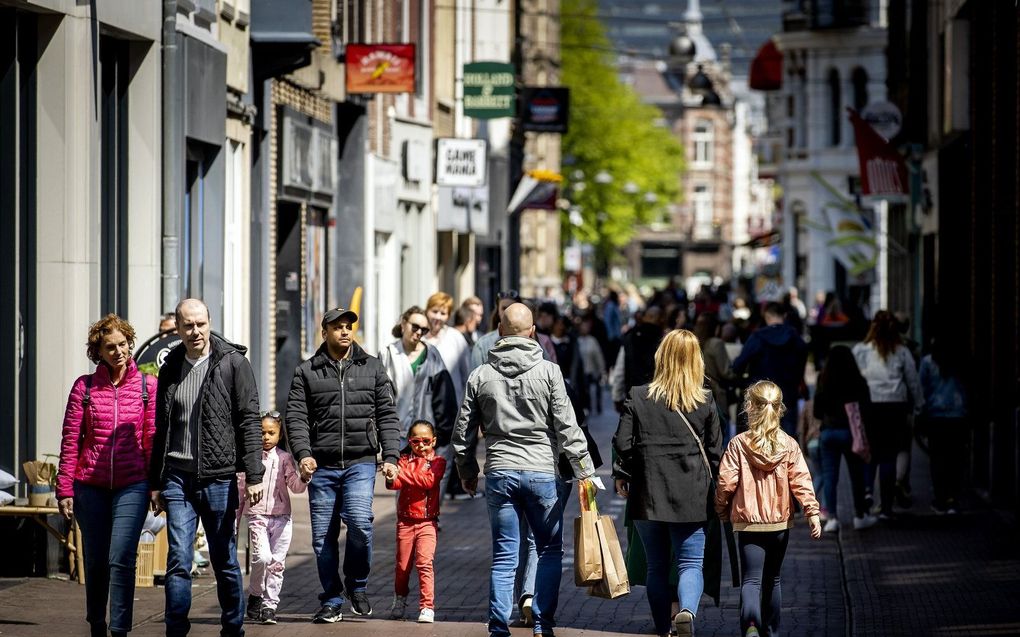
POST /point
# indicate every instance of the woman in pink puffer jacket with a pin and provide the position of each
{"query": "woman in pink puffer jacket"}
(104, 460)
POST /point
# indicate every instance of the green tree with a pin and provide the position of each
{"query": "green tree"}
(611, 132)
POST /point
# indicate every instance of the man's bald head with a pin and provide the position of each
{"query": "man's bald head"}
(517, 321)
(190, 306)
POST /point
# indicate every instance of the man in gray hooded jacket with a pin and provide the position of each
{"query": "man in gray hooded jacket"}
(520, 402)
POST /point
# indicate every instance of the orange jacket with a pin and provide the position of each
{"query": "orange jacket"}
(418, 481)
(756, 492)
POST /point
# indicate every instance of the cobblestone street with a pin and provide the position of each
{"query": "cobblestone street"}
(918, 575)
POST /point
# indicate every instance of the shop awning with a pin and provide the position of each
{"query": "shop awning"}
(767, 68)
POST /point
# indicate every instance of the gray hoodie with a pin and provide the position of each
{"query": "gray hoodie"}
(521, 404)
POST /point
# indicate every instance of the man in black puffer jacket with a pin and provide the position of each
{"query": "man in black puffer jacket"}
(340, 414)
(207, 430)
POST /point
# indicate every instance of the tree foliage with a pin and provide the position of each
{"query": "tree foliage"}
(611, 130)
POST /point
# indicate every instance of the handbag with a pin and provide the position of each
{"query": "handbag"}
(860, 444)
(587, 552)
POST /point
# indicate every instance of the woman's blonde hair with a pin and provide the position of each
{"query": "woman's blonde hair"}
(679, 379)
(763, 404)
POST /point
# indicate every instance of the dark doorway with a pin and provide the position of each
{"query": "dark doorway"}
(288, 297)
(18, 90)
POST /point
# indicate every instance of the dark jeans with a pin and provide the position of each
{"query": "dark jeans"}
(887, 430)
(947, 438)
(110, 521)
(594, 393)
(761, 599)
(334, 496)
(838, 443)
(215, 501)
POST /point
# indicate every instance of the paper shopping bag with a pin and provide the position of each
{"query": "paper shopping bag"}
(614, 582)
(587, 552)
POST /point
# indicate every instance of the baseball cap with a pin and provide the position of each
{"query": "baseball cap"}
(339, 313)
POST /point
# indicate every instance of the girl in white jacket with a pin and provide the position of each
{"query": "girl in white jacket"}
(895, 390)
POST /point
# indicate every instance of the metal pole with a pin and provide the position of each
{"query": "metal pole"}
(516, 156)
(172, 136)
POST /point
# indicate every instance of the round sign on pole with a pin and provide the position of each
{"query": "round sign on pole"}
(884, 117)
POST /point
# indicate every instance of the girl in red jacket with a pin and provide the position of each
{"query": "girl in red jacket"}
(418, 479)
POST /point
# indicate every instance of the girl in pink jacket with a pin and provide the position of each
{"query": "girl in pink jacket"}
(105, 449)
(760, 474)
(269, 523)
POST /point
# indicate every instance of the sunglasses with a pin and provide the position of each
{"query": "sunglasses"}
(421, 441)
(510, 294)
(423, 329)
(275, 415)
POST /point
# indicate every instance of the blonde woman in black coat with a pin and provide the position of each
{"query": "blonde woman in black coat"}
(668, 446)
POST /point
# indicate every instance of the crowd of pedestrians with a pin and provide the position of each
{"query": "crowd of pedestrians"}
(708, 433)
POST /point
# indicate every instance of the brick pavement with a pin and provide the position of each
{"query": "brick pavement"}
(967, 577)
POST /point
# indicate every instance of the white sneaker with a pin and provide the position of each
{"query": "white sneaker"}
(865, 522)
(527, 615)
(831, 526)
(426, 616)
(398, 608)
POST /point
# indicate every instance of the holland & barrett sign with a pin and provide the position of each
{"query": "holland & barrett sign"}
(488, 90)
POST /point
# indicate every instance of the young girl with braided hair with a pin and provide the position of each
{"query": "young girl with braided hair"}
(761, 472)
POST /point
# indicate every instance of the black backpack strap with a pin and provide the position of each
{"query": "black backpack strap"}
(86, 399)
(88, 391)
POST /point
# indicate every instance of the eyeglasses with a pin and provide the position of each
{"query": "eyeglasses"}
(510, 294)
(421, 441)
(423, 329)
(275, 415)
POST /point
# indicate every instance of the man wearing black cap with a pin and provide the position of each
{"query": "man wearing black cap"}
(340, 415)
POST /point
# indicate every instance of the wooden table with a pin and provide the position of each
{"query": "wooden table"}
(71, 541)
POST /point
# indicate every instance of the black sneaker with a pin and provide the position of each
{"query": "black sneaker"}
(328, 614)
(268, 616)
(254, 611)
(360, 605)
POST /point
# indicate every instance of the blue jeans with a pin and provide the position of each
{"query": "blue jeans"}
(215, 501)
(524, 583)
(511, 496)
(110, 522)
(836, 443)
(688, 542)
(335, 496)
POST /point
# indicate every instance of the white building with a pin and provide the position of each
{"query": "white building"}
(825, 70)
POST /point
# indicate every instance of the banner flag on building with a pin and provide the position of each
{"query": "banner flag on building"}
(537, 189)
(883, 171)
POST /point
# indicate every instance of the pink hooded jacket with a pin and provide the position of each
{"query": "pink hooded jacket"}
(107, 443)
(280, 475)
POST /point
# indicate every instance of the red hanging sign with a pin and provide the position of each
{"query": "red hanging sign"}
(883, 171)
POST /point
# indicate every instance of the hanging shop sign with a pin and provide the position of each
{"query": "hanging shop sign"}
(488, 90)
(380, 68)
(883, 171)
(884, 117)
(545, 109)
(460, 162)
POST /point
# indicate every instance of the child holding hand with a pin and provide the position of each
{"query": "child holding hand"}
(419, 476)
(269, 522)
(761, 472)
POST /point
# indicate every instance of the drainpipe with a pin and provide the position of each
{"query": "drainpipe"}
(172, 184)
